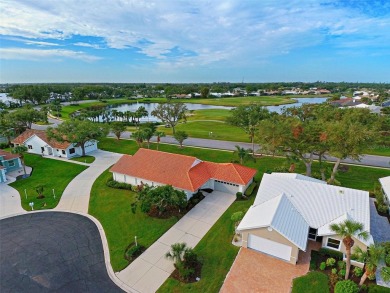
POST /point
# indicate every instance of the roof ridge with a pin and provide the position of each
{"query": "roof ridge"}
(174, 154)
(239, 175)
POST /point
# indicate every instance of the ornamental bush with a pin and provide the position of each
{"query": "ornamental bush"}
(330, 262)
(346, 287)
(322, 266)
(358, 272)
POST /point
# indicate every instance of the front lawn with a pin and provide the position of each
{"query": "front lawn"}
(208, 114)
(52, 174)
(313, 282)
(112, 208)
(85, 159)
(211, 130)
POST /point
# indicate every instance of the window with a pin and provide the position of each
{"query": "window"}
(42, 149)
(11, 163)
(333, 243)
(29, 147)
(63, 152)
(72, 151)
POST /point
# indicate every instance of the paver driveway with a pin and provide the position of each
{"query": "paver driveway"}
(257, 272)
(52, 252)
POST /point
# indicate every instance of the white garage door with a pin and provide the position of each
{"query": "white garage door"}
(225, 187)
(269, 247)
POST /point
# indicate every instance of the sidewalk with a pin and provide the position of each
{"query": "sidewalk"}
(150, 270)
(75, 197)
(10, 203)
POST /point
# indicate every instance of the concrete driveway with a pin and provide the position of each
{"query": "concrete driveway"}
(75, 197)
(52, 252)
(10, 203)
(150, 270)
(253, 271)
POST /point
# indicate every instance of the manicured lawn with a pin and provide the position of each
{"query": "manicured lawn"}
(86, 159)
(211, 130)
(52, 174)
(313, 282)
(235, 101)
(112, 208)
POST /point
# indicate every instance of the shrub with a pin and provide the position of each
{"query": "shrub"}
(341, 264)
(334, 271)
(333, 278)
(314, 259)
(3, 145)
(363, 288)
(382, 208)
(358, 272)
(133, 251)
(331, 253)
(371, 276)
(322, 266)
(239, 195)
(387, 259)
(342, 273)
(385, 274)
(346, 287)
(251, 187)
(330, 262)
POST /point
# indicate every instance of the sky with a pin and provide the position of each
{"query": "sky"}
(194, 41)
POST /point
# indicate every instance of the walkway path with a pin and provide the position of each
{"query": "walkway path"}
(75, 197)
(150, 270)
(10, 203)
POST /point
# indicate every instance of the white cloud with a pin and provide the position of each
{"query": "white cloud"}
(216, 31)
(41, 54)
(88, 45)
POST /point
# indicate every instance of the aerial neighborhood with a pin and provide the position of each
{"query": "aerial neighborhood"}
(181, 186)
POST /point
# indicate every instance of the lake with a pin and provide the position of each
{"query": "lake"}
(150, 107)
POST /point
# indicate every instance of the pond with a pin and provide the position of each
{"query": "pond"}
(5, 98)
(150, 107)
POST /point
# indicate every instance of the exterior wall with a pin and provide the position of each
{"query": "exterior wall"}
(36, 143)
(2, 176)
(137, 181)
(357, 243)
(274, 236)
(90, 146)
(7, 165)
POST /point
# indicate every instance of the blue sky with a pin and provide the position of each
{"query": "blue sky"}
(194, 41)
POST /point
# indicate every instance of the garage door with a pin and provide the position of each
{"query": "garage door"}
(225, 187)
(269, 247)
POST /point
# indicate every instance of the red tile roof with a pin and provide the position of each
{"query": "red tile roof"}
(184, 172)
(42, 135)
(8, 156)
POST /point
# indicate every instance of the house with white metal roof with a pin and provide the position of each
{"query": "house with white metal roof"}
(292, 209)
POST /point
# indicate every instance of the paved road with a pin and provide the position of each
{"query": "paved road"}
(366, 160)
(75, 197)
(10, 203)
(52, 252)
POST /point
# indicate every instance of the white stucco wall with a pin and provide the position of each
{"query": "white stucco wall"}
(36, 144)
(137, 181)
(242, 188)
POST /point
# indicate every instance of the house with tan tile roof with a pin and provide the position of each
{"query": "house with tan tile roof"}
(185, 173)
(38, 143)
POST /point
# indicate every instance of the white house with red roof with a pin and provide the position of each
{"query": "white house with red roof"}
(38, 143)
(182, 172)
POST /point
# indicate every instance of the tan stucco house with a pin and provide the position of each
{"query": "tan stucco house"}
(291, 209)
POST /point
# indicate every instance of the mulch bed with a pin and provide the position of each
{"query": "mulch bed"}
(192, 278)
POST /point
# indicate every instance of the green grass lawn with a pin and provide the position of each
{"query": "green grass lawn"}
(313, 282)
(235, 101)
(203, 129)
(86, 159)
(112, 208)
(52, 174)
(378, 151)
(208, 114)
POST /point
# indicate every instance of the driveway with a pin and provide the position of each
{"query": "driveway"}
(52, 252)
(253, 271)
(150, 270)
(75, 197)
(10, 203)
(379, 226)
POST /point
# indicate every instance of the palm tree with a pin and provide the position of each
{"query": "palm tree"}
(20, 150)
(177, 253)
(159, 134)
(371, 258)
(139, 137)
(347, 230)
(242, 153)
(141, 112)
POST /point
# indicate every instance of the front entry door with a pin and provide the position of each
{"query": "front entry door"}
(50, 151)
